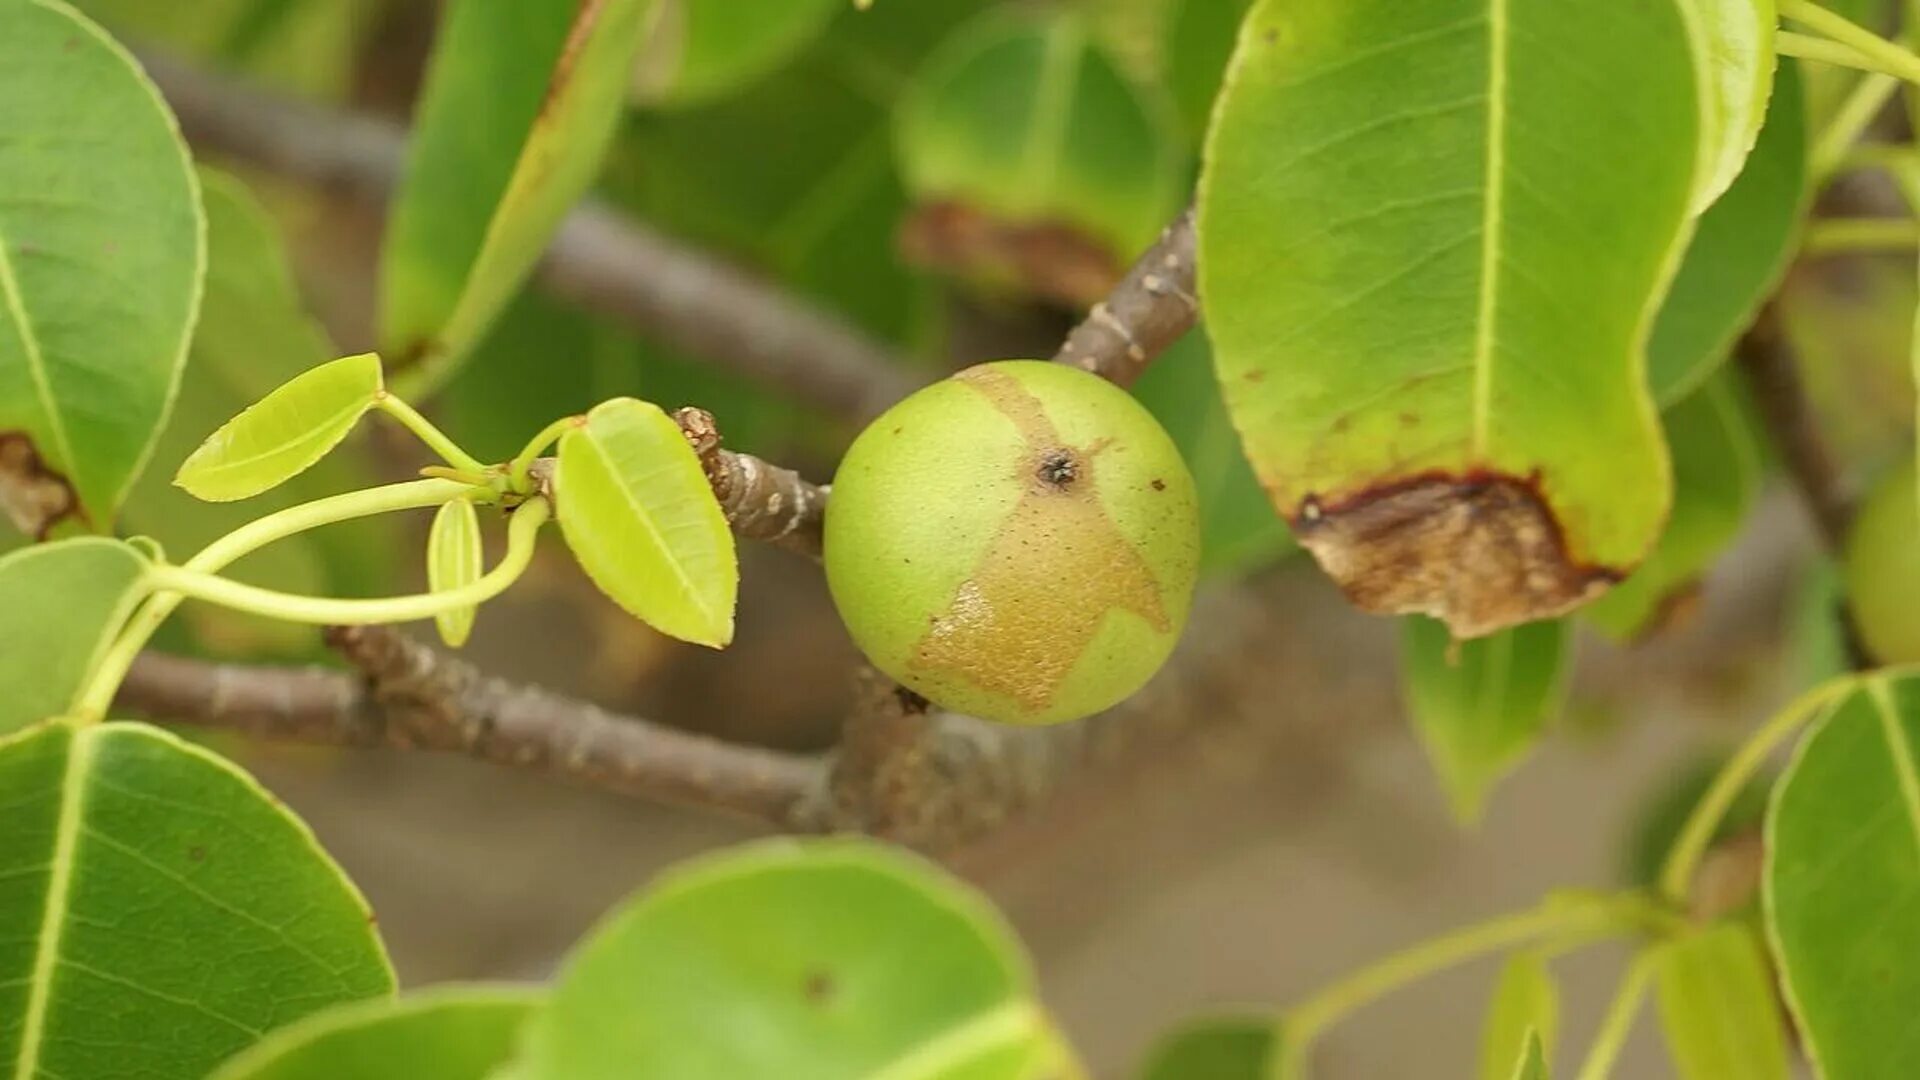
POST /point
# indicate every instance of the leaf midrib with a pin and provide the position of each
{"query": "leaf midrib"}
(59, 882)
(646, 520)
(1490, 224)
(1904, 771)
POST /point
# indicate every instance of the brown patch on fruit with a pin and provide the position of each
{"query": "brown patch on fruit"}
(1011, 628)
(1044, 259)
(1480, 552)
(33, 496)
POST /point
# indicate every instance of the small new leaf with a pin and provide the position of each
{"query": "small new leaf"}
(1734, 58)
(1525, 1010)
(446, 1033)
(1717, 1007)
(636, 509)
(1217, 1048)
(453, 560)
(283, 434)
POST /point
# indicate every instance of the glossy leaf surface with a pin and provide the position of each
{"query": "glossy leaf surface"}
(283, 434)
(64, 602)
(1525, 1009)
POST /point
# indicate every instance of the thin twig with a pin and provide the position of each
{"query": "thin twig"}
(1152, 307)
(762, 501)
(1766, 359)
(599, 259)
(413, 697)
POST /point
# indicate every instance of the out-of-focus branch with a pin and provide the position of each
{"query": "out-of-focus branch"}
(1766, 360)
(1152, 307)
(599, 259)
(413, 697)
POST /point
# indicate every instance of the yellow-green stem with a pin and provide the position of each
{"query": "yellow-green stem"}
(1839, 236)
(1879, 53)
(522, 530)
(1835, 148)
(1617, 1024)
(523, 461)
(423, 428)
(1676, 875)
(97, 695)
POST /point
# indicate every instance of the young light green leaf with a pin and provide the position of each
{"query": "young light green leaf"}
(1717, 1006)
(1880, 572)
(1532, 1064)
(1716, 478)
(1735, 58)
(158, 900)
(1525, 1011)
(519, 105)
(697, 50)
(445, 1033)
(1216, 1048)
(1481, 705)
(253, 335)
(454, 559)
(65, 601)
(1020, 135)
(1739, 251)
(1438, 369)
(99, 289)
(285, 433)
(636, 509)
(1239, 531)
(1841, 890)
(789, 957)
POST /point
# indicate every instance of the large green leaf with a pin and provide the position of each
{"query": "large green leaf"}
(283, 434)
(254, 335)
(1741, 248)
(1525, 1010)
(162, 910)
(1842, 886)
(519, 105)
(1481, 705)
(1879, 571)
(636, 509)
(1238, 529)
(447, 1033)
(1037, 165)
(825, 960)
(1216, 1048)
(1428, 300)
(700, 49)
(1716, 477)
(1717, 1006)
(63, 604)
(101, 251)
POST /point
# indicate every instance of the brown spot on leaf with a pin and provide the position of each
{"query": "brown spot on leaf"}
(1012, 629)
(1480, 552)
(1044, 259)
(585, 21)
(33, 496)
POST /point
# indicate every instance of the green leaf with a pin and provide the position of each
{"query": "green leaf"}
(700, 49)
(65, 601)
(1199, 42)
(454, 559)
(820, 960)
(254, 335)
(285, 433)
(1239, 531)
(445, 1033)
(1842, 885)
(1718, 1008)
(101, 255)
(636, 509)
(1532, 1064)
(163, 910)
(1522, 1018)
(1734, 54)
(304, 46)
(1880, 572)
(519, 105)
(1739, 252)
(1216, 1048)
(1481, 705)
(1024, 125)
(1716, 478)
(1429, 306)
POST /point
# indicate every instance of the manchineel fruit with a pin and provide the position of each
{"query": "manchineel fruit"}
(1019, 542)
(1880, 571)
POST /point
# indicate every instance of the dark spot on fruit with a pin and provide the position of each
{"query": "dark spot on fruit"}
(818, 987)
(1159, 484)
(898, 430)
(1058, 468)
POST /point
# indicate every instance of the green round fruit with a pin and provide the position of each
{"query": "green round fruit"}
(1019, 542)
(1882, 570)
